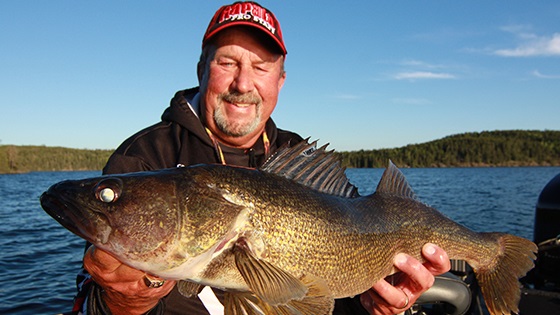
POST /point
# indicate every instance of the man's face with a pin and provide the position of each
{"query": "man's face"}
(239, 87)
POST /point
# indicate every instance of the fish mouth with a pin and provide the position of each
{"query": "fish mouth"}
(74, 217)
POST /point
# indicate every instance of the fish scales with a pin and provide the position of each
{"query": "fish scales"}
(282, 239)
(323, 229)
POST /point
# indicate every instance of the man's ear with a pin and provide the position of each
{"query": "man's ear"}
(282, 80)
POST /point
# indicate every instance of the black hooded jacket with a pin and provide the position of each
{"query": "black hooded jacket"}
(180, 138)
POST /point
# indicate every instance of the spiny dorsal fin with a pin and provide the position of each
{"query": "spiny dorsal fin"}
(316, 168)
(393, 182)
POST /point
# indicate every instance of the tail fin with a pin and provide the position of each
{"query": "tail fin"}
(499, 283)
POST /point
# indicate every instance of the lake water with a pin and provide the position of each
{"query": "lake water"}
(39, 259)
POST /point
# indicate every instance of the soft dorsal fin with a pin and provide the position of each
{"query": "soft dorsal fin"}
(393, 182)
(319, 169)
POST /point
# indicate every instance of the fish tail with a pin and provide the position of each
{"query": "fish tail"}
(498, 280)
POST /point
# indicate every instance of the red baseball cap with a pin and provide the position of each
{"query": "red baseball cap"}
(247, 13)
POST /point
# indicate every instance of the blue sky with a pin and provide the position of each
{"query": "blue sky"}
(361, 75)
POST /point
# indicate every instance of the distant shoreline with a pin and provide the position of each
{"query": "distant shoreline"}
(507, 148)
(502, 148)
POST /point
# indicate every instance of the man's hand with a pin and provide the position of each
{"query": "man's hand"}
(125, 291)
(398, 292)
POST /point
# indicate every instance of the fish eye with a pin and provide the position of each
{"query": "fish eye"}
(107, 195)
(108, 190)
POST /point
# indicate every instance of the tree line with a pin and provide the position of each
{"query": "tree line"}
(22, 159)
(489, 148)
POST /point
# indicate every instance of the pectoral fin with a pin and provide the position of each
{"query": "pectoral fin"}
(241, 303)
(278, 292)
(189, 289)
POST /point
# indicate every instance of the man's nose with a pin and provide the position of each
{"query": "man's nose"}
(243, 81)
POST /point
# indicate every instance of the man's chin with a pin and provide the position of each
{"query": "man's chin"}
(234, 128)
(238, 132)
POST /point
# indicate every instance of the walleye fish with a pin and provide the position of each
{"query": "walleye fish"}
(287, 238)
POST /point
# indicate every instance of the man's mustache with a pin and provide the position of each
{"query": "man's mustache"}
(237, 98)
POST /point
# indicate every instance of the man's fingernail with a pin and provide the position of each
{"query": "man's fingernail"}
(430, 249)
(400, 259)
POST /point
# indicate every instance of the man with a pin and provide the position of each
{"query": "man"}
(226, 120)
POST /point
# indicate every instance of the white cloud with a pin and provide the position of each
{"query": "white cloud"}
(422, 75)
(413, 69)
(531, 44)
(538, 74)
(420, 64)
(517, 28)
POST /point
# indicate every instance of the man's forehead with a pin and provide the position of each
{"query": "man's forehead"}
(234, 52)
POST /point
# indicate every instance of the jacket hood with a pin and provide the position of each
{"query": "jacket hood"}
(181, 113)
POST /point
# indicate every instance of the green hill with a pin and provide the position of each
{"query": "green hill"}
(21, 159)
(488, 148)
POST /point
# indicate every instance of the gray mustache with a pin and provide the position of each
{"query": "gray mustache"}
(241, 98)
